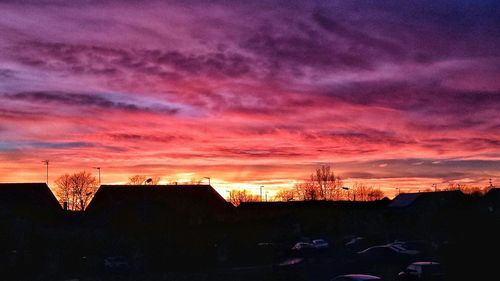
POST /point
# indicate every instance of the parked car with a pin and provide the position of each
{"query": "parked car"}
(355, 277)
(385, 260)
(403, 248)
(422, 271)
(320, 244)
(354, 240)
(390, 249)
(116, 264)
(303, 246)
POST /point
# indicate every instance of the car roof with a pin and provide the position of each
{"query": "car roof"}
(360, 277)
(375, 247)
(425, 263)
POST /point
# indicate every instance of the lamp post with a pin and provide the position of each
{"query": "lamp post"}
(208, 178)
(99, 171)
(347, 188)
(266, 195)
(46, 163)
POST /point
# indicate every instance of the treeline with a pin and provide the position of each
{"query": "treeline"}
(322, 184)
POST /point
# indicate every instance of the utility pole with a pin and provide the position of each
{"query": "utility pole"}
(99, 170)
(46, 163)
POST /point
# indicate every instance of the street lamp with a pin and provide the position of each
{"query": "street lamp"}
(99, 170)
(347, 188)
(208, 179)
(46, 163)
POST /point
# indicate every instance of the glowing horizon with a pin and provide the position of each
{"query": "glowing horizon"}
(252, 94)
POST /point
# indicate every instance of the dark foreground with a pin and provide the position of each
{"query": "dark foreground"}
(152, 240)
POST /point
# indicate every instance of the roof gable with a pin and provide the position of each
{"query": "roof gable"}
(178, 198)
(35, 197)
(410, 199)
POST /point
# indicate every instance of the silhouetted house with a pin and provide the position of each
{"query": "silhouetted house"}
(429, 200)
(27, 201)
(433, 215)
(165, 226)
(191, 204)
(492, 200)
(29, 219)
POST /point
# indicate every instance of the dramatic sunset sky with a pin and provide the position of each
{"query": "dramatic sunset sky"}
(252, 93)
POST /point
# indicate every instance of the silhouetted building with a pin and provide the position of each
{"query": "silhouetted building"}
(27, 200)
(182, 203)
(160, 226)
(29, 219)
(440, 199)
(492, 200)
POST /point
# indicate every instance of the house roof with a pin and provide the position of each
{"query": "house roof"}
(493, 194)
(185, 199)
(31, 197)
(408, 199)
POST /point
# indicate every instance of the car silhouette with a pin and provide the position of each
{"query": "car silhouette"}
(422, 271)
(356, 277)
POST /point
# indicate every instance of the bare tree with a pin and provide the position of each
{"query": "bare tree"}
(76, 190)
(236, 197)
(321, 185)
(136, 180)
(64, 190)
(143, 180)
(362, 192)
(325, 181)
(195, 181)
(467, 189)
(376, 194)
(284, 195)
(306, 191)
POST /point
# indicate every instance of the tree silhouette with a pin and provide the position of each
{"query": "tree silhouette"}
(362, 192)
(321, 185)
(236, 197)
(284, 195)
(76, 190)
(143, 180)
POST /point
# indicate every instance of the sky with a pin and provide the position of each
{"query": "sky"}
(252, 93)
